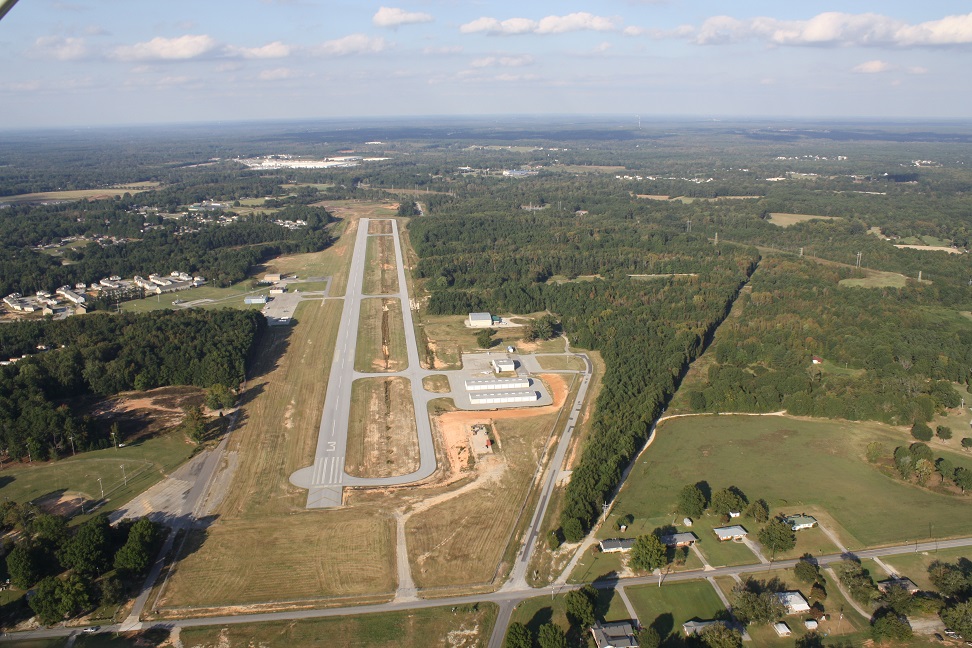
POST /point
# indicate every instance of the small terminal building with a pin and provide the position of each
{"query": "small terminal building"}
(498, 397)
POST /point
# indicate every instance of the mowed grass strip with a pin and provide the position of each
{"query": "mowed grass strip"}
(795, 465)
(379, 227)
(381, 271)
(463, 539)
(381, 337)
(382, 439)
(307, 555)
(560, 363)
(466, 626)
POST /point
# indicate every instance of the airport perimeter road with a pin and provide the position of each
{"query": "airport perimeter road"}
(506, 599)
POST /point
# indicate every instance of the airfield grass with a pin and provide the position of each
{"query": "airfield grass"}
(382, 439)
(795, 465)
(473, 528)
(331, 553)
(449, 337)
(218, 298)
(381, 270)
(381, 337)
(379, 227)
(146, 463)
(469, 626)
(561, 363)
(669, 606)
(786, 220)
(437, 384)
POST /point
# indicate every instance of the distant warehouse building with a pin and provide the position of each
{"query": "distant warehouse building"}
(480, 320)
(258, 299)
(496, 398)
(497, 384)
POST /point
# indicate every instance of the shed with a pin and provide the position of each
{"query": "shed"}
(480, 320)
(687, 522)
(811, 624)
(782, 629)
(273, 277)
(617, 634)
(734, 532)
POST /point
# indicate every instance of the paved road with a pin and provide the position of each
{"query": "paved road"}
(506, 599)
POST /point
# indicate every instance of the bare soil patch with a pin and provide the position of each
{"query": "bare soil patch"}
(379, 227)
(381, 271)
(785, 220)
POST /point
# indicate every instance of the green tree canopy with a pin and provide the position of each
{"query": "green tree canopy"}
(518, 636)
(691, 501)
(648, 553)
(551, 635)
(777, 536)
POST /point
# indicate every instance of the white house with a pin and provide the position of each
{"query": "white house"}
(734, 532)
(794, 602)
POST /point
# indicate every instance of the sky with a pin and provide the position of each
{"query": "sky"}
(69, 63)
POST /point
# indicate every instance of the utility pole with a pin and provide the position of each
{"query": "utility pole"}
(71, 437)
(124, 476)
(688, 226)
(102, 488)
(115, 439)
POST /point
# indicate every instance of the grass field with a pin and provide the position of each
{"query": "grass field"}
(219, 298)
(466, 627)
(535, 612)
(82, 194)
(785, 220)
(796, 465)
(437, 384)
(381, 337)
(382, 439)
(876, 279)
(146, 462)
(561, 363)
(381, 273)
(667, 607)
(915, 565)
(449, 338)
(472, 529)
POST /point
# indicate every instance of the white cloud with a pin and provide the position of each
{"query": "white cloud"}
(277, 74)
(394, 17)
(872, 67)
(60, 48)
(275, 49)
(352, 44)
(916, 69)
(167, 49)
(579, 21)
(838, 29)
(502, 61)
(600, 48)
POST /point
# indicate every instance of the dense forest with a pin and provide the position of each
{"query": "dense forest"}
(647, 331)
(103, 354)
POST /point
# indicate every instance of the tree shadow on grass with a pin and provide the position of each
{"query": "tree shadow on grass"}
(542, 616)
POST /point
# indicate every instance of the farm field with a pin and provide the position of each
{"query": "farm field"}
(786, 220)
(847, 494)
(382, 439)
(82, 194)
(465, 627)
(381, 337)
(472, 525)
(380, 274)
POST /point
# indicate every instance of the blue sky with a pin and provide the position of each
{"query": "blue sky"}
(98, 62)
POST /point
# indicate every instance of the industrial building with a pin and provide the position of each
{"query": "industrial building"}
(503, 364)
(494, 398)
(257, 299)
(498, 384)
(480, 320)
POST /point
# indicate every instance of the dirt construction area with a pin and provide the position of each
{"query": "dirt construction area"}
(381, 274)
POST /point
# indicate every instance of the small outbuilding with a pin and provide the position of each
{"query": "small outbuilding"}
(503, 365)
(811, 624)
(782, 629)
(272, 277)
(734, 532)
